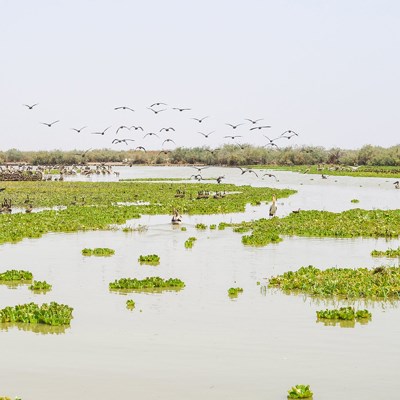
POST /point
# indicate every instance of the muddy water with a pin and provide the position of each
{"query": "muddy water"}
(198, 343)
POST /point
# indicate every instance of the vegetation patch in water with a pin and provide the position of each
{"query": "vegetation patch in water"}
(14, 275)
(50, 314)
(190, 242)
(201, 226)
(213, 226)
(300, 392)
(154, 282)
(40, 286)
(234, 292)
(361, 283)
(355, 201)
(98, 252)
(130, 304)
(389, 253)
(344, 313)
(151, 259)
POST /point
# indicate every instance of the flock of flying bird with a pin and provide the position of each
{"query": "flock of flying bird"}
(159, 107)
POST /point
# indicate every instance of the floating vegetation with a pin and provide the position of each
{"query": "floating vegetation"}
(40, 286)
(139, 228)
(222, 226)
(213, 226)
(190, 242)
(98, 252)
(183, 229)
(151, 259)
(130, 304)
(300, 392)
(361, 283)
(389, 253)
(50, 314)
(154, 282)
(234, 292)
(14, 275)
(201, 226)
(344, 313)
(348, 224)
(355, 201)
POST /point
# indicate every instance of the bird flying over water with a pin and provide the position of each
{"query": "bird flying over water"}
(270, 176)
(244, 170)
(198, 168)
(50, 124)
(79, 130)
(30, 107)
(124, 108)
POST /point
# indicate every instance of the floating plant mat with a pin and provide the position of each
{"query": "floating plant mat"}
(389, 253)
(148, 284)
(382, 283)
(348, 224)
(98, 252)
(15, 277)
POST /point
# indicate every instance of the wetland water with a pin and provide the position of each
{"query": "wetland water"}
(198, 343)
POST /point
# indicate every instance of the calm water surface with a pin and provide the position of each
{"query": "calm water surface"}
(198, 343)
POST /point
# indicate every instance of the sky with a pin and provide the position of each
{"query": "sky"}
(326, 69)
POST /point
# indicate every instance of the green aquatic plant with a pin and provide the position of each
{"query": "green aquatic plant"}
(50, 314)
(151, 259)
(40, 286)
(300, 392)
(183, 229)
(130, 304)
(213, 226)
(389, 253)
(360, 283)
(355, 201)
(234, 292)
(201, 226)
(154, 282)
(190, 242)
(222, 226)
(14, 275)
(98, 252)
(344, 313)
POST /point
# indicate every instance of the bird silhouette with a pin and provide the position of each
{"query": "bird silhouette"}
(79, 130)
(206, 135)
(200, 120)
(244, 170)
(253, 121)
(156, 111)
(121, 127)
(150, 134)
(101, 133)
(233, 137)
(234, 126)
(158, 104)
(168, 140)
(124, 108)
(83, 154)
(260, 127)
(273, 207)
(167, 129)
(271, 141)
(136, 127)
(219, 179)
(164, 152)
(140, 148)
(181, 109)
(31, 106)
(50, 124)
(197, 176)
(199, 168)
(116, 141)
(270, 176)
(289, 134)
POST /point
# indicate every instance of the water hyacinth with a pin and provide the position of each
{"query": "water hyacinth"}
(40, 286)
(300, 392)
(344, 313)
(154, 282)
(190, 242)
(98, 252)
(234, 292)
(389, 253)
(14, 275)
(151, 259)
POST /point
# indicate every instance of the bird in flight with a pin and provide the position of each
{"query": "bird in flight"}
(213, 151)
(124, 108)
(158, 104)
(244, 170)
(234, 126)
(198, 168)
(140, 148)
(181, 109)
(206, 135)
(50, 124)
(167, 129)
(168, 140)
(164, 152)
(261, 127)
(136, 127)
(30, 107)
(197, 176)
(116, 141)
(254, 121)
(101, 133)
(219, 179)
(289, 134)
(271, 141)
(121, 127)
(200, 120)
(270, 176)
(156, 111)
(242, 146)
(232, 137)
(150, 134)
(79, 130)
(83, 154)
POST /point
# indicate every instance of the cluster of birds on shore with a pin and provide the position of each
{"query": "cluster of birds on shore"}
(166, 141)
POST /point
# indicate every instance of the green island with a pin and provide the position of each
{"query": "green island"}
(344, 313)
(381, 283)
(300, 392)
(53, 314)
(151, 259)
(98, 252)
(389, 253)
(14, 275)
(154, 282)
(40, 286)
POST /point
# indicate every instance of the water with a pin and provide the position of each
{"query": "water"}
(198, 343)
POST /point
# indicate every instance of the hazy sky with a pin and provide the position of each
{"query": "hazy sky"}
(327, 69)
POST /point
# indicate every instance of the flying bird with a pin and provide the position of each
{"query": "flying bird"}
(50, 124)
(124, 108)
(140, 148)
(101, 133)
(136, 127)
(79, 130)
(260, 127)
(270, 176)
(244, 170)
(233, 137)
(219, 179)
(83, 154)
(164, 152)
(206, 135)
(121, 127)
(200, 120)
(198, 168)
(271, 141)
(234, 126)
(156, 111)
(158, 104)
(289, 134)
(254, 121)
(181, 109)
(30, 107)
(150, 134)
(116, 141)
(197, 176)
(168, 140)
(167, 129)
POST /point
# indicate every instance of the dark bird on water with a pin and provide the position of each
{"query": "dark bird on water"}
(101, 133)
(30, 107)
(124, 108)
(234, 126)
(50, 124)
(79, 130)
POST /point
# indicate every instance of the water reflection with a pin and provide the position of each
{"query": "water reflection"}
(41, 329)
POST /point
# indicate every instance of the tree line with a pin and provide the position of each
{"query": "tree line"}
(229, 155)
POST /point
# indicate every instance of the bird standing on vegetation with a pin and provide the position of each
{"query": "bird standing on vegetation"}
(273, 207)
